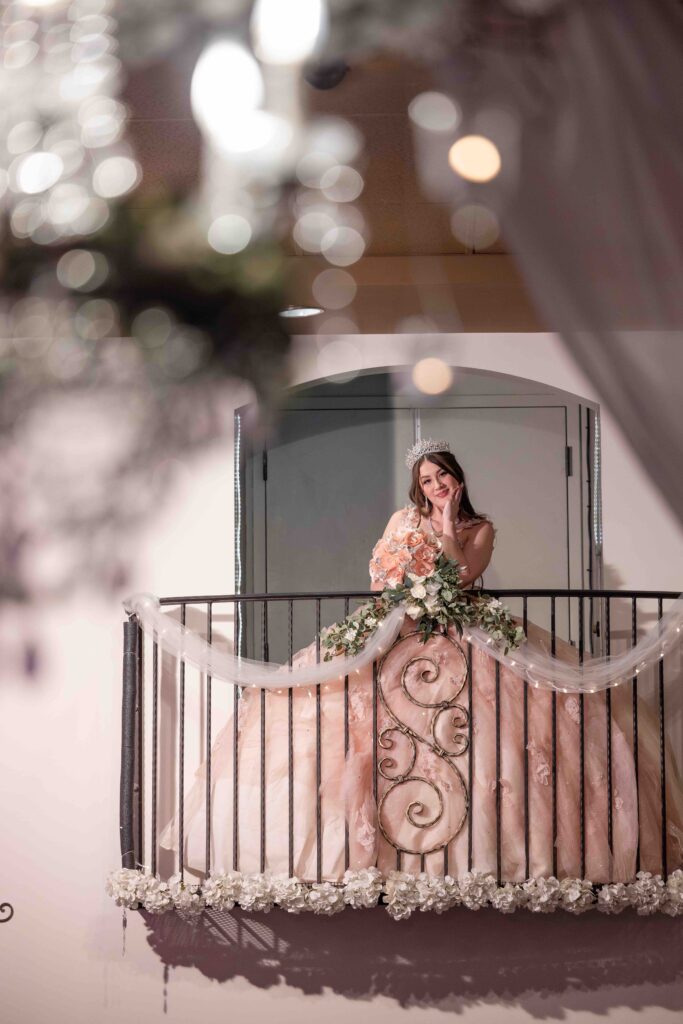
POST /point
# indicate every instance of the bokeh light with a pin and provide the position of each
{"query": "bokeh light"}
(227, 87)
(334, 288)
(61, 103)
(230, 233)
(82, 270)
(37, 172)
(475, 158)
(432, 376)
(67, 204)
(342, 246)
(115, 176)
(338, 138)
(338, 360)
(23, 136)
(312, 228)
(96, 319)
(313, 166)
(341, 184)
(434, 112)
(153, 326)
(475, 226)
(287, 33)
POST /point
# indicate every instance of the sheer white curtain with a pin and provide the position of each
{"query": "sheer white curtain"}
(593, 209)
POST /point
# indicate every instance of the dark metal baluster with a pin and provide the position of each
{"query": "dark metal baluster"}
(209, 637)
(553, 738)
(346, 751)
(140, 758)
(318, 756)
(634, 684)
(582, 748)
(470, 757)
(608, 716)
(264, 631)
(527, 869)
(237, 630)
(130, 683)
(181, 758)
(290, 734)
(155, 750)
(499, 872)
(662, 752)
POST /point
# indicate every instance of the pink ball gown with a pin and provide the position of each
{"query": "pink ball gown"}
(450, 786)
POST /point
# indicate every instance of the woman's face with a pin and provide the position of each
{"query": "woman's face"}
(437, 484)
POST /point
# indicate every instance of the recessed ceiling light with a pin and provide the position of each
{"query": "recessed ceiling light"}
(301, 311)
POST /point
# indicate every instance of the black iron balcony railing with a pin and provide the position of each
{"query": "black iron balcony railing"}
(172, 716)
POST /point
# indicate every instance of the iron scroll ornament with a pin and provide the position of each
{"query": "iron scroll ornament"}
(6, 912)
(387, 766)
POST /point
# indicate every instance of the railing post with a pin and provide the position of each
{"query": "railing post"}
(128, 699)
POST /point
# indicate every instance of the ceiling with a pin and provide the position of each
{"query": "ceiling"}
(414, 266)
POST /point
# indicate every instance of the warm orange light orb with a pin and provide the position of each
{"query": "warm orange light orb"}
(475, 158)
(432, 376)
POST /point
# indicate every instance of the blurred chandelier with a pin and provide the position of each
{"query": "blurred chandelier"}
(62, 153)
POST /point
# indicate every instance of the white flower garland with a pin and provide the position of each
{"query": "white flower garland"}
(402, 893)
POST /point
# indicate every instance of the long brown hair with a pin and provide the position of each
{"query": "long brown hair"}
(447, 461)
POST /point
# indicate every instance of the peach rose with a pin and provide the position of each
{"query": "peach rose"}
(423, 562)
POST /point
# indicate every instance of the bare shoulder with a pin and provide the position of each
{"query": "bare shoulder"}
(480, 531)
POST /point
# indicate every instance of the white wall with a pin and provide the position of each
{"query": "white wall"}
(59, 744)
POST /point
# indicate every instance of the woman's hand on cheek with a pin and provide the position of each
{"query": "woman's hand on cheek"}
(451, 509)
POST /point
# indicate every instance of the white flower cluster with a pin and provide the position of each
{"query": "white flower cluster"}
(133, 890)
(403, 893)
(362, 889)
(544, 895)
(187, 897)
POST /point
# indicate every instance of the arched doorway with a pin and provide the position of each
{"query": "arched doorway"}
(315, 498)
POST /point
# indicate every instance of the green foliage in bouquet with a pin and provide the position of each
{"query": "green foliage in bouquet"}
(433, 601)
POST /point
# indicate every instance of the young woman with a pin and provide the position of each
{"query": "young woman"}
(441, 759)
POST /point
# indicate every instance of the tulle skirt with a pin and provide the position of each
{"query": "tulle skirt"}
(439, 760)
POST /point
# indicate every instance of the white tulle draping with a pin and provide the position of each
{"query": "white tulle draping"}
(529, 661)
(190, 647)
(542, 670)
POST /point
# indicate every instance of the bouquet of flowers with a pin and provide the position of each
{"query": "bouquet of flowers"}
(433, 600)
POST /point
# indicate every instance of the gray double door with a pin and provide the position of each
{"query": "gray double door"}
(318, 495)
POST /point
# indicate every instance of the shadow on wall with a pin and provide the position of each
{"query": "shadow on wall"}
(545, 965)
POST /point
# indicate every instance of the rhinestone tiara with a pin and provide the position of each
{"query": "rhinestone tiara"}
(425, 447)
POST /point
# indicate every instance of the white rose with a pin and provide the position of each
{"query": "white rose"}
(415, 611)
(418, 591)
(432, 605)
(494, 604)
